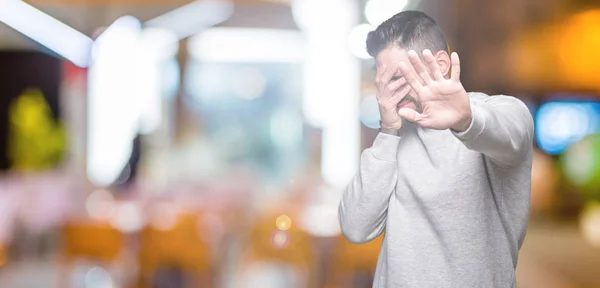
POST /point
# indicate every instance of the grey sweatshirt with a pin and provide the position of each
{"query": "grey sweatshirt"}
(454, 206)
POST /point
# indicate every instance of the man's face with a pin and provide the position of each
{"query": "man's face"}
(391, 58)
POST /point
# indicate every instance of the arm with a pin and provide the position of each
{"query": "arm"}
(364, 204)
(501, 128)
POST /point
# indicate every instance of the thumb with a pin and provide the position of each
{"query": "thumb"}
(410, 115)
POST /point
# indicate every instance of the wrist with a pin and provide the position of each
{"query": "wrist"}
(395, 126)
(389, 129)
(465, 122)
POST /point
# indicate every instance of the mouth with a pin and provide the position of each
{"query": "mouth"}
(410, 102)
(404, 104)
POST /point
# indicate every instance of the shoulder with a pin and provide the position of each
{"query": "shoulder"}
(497, 99)
(478, 96)
(509, 106)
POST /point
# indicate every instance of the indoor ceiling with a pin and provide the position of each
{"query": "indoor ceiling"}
(87, 16)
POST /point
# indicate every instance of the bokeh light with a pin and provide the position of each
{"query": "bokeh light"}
(159, 43)
(369, 112)
(581, 163)
(98, 277)
(283, 222)
(577, 60)
(100, 204)
(560, 124)
(544, 182)
(127, 217)
(164, 216)
(250, 83)
(590, 224)
(319, 217)
(320, 220)
(377, 11)
(114, 115)
(357, 41)
(280, 239)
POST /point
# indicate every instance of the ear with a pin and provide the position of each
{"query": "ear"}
(443, 60)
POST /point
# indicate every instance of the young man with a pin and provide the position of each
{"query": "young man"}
(448, 176)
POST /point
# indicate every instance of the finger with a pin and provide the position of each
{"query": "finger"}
(455, 76)
(399, 95)
(417, 64)
(395, 85)
(434, 68)
(411, 76)
(412, 115)
(380, 72)
(387, 76)
(392, 102)
(419, 67)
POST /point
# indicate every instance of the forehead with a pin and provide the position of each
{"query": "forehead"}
(391, 56)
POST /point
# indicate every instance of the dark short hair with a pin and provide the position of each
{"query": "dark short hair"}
(411, 30)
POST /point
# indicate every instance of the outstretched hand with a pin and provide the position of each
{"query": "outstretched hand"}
(445, 103)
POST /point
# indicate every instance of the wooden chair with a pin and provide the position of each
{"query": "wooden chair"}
(293, 248)
(181, 247)
(349, 260)
(3, 255)
(89, 240)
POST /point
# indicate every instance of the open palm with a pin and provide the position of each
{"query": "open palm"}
(445, 103)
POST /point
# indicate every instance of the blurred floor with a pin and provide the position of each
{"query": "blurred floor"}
(556, 256)
(553, 256)
(30, 274)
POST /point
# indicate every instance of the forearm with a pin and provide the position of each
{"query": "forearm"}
(363, 207)
(501, 128)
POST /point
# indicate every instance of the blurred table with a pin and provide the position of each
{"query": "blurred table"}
(556, 256)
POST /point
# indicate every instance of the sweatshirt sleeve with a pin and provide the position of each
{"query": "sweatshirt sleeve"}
(364, 204)
(501, 128)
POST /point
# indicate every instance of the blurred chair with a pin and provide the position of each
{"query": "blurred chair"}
(3, 256)
(176, 248)
(89, 240)
(97, 241)
(350, 262)
(269, 247)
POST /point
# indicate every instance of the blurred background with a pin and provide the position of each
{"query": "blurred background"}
(155, 143)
